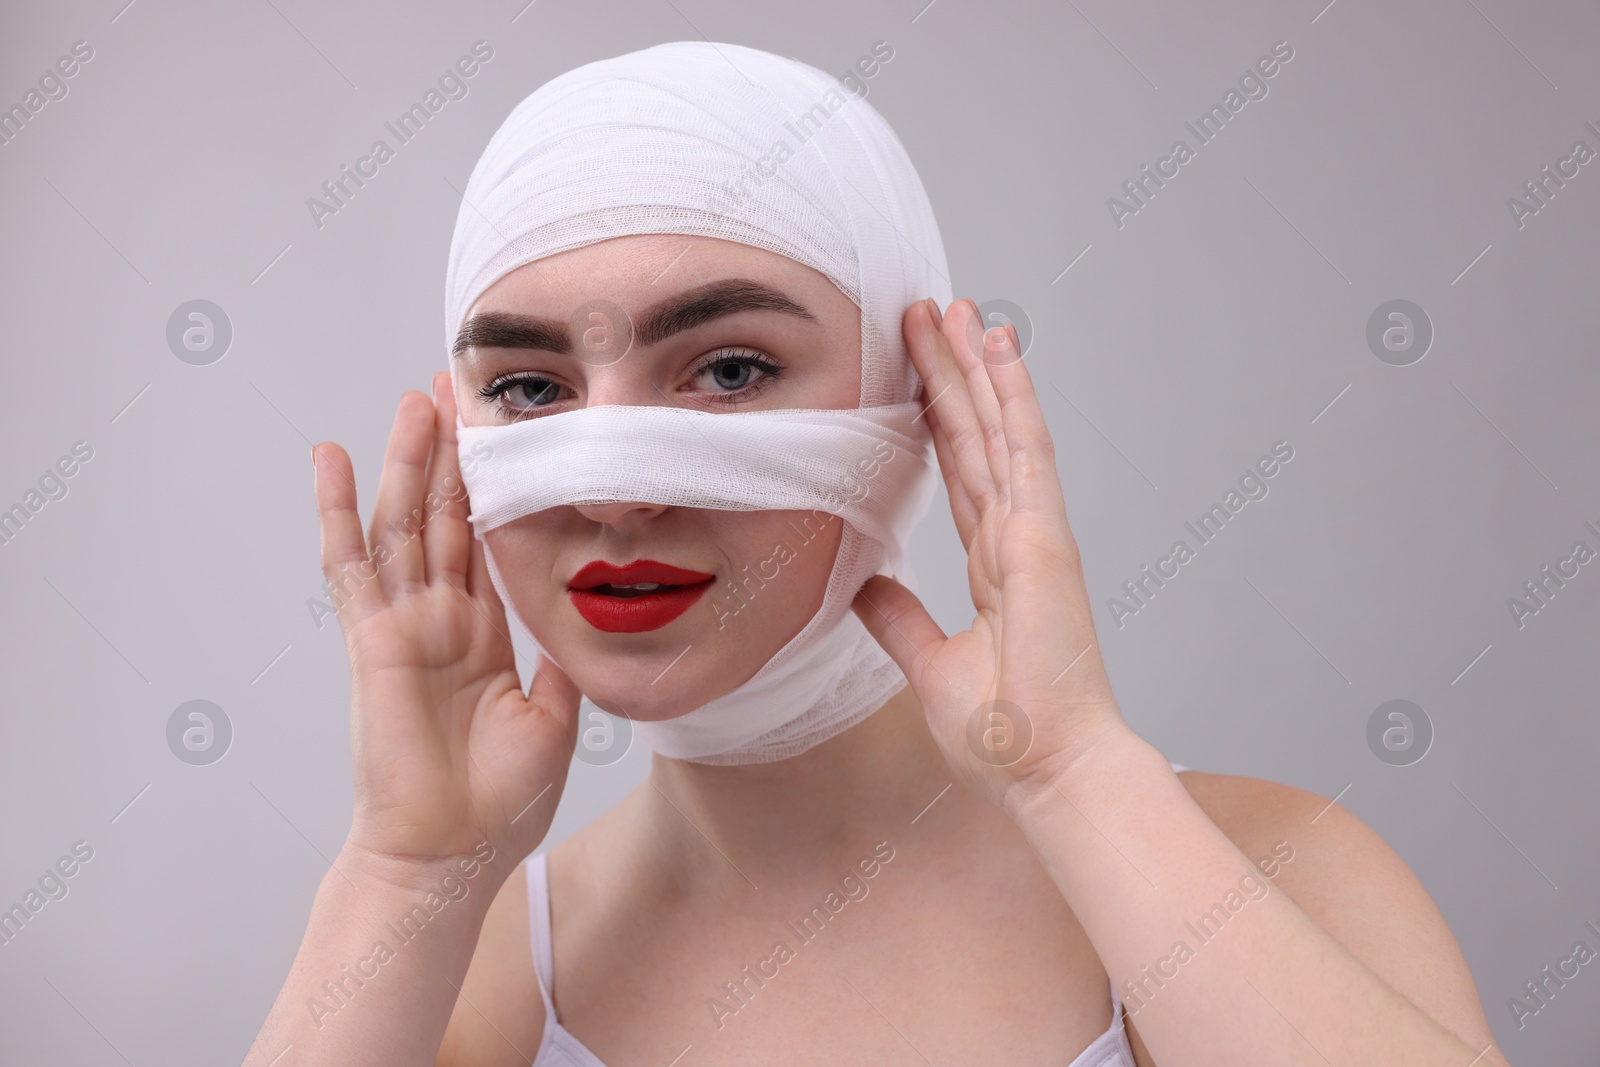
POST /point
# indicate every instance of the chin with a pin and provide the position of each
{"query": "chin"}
(641, 702)
(696, 666)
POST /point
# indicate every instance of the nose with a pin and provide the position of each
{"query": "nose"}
(627, 382)
(620, 513)
(607, 386)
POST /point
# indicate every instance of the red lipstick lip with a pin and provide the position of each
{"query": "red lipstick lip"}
(599, 572)
(642, 612)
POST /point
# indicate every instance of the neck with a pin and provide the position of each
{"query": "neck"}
(825, 807)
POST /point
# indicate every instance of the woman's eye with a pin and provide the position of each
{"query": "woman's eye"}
(518, 394)
(730, 376)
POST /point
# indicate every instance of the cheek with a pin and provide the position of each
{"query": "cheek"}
(779, 565)
(514, 541)
(524, 551)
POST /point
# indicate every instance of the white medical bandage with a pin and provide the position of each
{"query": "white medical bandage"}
(666, 140)
(786, 459)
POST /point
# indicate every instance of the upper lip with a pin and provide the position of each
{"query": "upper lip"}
(599, 572)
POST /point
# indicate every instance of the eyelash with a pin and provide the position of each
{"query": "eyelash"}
(495, 391)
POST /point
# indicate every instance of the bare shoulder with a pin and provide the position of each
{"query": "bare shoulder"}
(1347, 879)
(499, 1015)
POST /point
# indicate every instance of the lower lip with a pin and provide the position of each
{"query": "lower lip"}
(636, 614)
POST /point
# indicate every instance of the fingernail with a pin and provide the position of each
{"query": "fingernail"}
(1016, 342)
(933, 310)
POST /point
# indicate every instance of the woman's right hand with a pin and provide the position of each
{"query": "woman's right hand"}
(448, 751)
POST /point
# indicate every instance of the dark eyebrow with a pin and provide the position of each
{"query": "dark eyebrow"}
(499, 329)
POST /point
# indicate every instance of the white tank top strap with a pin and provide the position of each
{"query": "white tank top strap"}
(557, 1045)
(539, 930)
(1111, 1048)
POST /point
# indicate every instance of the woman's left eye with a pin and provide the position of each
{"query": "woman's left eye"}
(731, 374)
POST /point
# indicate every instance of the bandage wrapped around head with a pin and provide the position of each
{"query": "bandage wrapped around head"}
(724, 141)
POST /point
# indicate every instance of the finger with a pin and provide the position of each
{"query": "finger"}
(896, 619)
(345, 563)
(948, 394)
(445, 534)
(481, 593)
(1065, 618)
(485, 598)
(480, 583)
(1035, 481)
(397, 518)
(974, 347)
(961, 508)
(555, 692)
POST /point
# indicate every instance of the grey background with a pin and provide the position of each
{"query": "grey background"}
(1226, 315)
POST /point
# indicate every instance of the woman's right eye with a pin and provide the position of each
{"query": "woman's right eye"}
(517, 394)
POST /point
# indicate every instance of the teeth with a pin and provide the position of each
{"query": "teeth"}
(646, 586)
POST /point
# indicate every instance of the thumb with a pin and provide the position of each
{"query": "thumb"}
(554, 692)
(897, 620)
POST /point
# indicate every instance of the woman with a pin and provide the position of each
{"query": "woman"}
(861, 841)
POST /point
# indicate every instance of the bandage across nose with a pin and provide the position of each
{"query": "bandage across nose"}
(869, 466)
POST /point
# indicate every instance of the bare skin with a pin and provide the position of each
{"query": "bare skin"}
(1011, 897)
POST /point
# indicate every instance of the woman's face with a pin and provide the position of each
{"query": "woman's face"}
(716, 326)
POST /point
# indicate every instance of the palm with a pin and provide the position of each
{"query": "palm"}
(447, 749)
(1024, 685)
(447, 743)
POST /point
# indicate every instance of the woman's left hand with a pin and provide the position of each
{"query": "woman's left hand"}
(1022, 694)
(1027, 677)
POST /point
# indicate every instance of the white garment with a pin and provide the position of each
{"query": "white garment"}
(722, 141)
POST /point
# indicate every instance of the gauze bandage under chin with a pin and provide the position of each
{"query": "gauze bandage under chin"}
(719, 140)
